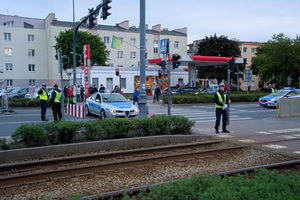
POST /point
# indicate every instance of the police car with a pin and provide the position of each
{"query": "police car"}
(271, 99)
(110, 105)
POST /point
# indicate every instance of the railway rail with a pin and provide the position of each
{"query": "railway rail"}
(15, 174)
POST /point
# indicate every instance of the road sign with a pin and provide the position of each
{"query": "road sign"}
(164, 46)
(248, 75)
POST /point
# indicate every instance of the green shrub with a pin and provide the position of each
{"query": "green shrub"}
(93, 130)
(3, 144)
(118, 127)
(31, 134)
(181, 125)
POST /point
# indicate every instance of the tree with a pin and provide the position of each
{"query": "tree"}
(277, 60)
(218, 46)
(98, 53)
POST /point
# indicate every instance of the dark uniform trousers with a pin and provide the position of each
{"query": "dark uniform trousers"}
(56, 108)
(219, 112)
(43, 109)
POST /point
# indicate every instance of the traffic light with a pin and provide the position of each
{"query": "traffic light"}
(231, 64)
(105, 9)
(162, 64)
(92, 19)
(159, 73)
(175, 59)
(117, 72)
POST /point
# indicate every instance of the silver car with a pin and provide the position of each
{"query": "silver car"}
(110, 105)
(17, 93)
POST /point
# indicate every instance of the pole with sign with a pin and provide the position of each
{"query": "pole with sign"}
(87, 67)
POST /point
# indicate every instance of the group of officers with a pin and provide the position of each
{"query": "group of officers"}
(55, 102)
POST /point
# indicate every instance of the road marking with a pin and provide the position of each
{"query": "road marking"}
(274, 146)
(286, 130)
(248, 141)
(288, 136)
(296, 135)
(298, 152)
(225, 136)
(264, 132)
(231, 119)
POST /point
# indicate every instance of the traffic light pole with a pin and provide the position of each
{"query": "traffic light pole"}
(75, 30)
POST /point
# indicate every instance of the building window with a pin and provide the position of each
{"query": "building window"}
(123, 83)
(31, 67)
(8, 51)
(31, 53)
(26, 25)
(120, 54)
(155, 46)
(106, 40)
(7, 36)
(253, 50)
(132, 55)
(31, 82)
(9, 82)
(30, 38)
(11, 23)
(176, 44)
(245, 50)
(132, 41)
(9, 67)
(146, 55)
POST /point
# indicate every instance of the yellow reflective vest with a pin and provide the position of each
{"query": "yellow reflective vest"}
(273, 90)
(57, 97)
(221, 100)
(44, 96)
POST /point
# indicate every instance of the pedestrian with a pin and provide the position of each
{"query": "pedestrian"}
(94, 89)
(56, 103)
(136, 95)
(66, 92)
(31, 90)
(157, 93)
(78, 93)
(273, 89)
(82, 93)
(70, 91)
(102, 88)
(117, 89)
(221, 101)
(90, 90)
(43, 101)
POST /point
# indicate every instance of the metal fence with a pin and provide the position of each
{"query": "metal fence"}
(288, 107)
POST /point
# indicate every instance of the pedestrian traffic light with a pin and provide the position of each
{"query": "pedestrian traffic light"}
(92, 19)
(117, 72)
(175, 59)
(231, 64)
(162, 64)
(159, 73)
(105, 9)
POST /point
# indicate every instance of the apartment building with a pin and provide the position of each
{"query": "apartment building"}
(28, 55)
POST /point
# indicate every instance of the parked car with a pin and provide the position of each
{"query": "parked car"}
(186, 90)
(17, 93)
(110, 105)
(2, 91)
(271, 99)
(210, 90)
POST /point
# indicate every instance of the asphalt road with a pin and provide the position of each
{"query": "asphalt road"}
(196, 112)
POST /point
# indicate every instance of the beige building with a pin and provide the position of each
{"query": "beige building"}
(28, 55)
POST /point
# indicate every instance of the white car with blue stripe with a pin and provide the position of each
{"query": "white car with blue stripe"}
(108, 105)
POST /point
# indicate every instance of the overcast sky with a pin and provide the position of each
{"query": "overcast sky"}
(245, 20)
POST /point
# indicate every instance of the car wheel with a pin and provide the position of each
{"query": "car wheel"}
(15, 97)
(87, 111)
(102, 114)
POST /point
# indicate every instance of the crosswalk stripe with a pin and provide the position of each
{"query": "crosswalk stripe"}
(231, 119)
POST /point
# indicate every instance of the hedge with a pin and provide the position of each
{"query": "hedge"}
(62, 132)
(209, 98)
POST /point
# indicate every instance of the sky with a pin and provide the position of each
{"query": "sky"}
(245, 20)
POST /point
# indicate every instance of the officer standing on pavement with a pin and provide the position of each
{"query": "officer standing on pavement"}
(56, 103)
(221, 101)
(43, 101)
(273, 89)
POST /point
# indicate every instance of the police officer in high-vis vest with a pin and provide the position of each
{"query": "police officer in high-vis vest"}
(221, 101)
(56, 103)
(273, 89)
(43, 101)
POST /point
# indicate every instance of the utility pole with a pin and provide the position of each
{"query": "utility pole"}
(143, 101)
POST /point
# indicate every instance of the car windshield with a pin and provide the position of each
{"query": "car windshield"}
(15, 90)
(113, 98)
(281, 92)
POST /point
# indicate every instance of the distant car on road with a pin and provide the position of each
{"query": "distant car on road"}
(2, 91)
(17, 93)
(271, 99)
(210, 90)
(108, 105)
(186, 90)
